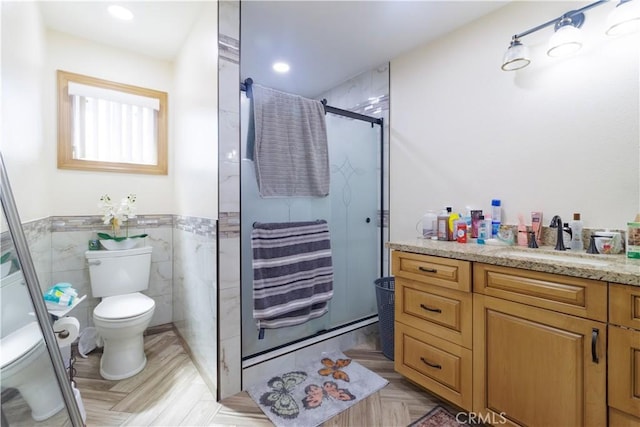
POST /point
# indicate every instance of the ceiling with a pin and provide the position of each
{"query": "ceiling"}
(328, 42)
(325, 42)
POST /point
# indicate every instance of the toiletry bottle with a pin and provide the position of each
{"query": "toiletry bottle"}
(495, 216)
(633, 238)
(566, 235)
(461, 232)
(483, 230)
(522, 231)
(443, 224)
(475, 221)
(576, 237)
(453, 217)
(536, 226)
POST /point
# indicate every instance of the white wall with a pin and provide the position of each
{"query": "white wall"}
(77, 192)
(23, 143)
(196, 111)
(560, 136)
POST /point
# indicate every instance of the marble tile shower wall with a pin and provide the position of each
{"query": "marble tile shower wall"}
(229, 362)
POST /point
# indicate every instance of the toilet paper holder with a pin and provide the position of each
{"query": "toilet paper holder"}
(62, 334)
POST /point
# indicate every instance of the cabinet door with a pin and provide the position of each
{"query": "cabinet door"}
(537, 367)
(624, 370)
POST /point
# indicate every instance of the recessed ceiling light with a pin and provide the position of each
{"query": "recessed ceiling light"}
(281, 67)
(120, 12)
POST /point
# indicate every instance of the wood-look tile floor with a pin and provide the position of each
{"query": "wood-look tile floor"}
(170, 392)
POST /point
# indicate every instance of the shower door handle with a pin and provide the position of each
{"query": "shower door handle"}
(94, 262)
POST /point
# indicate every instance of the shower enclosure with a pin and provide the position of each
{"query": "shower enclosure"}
(353, 212)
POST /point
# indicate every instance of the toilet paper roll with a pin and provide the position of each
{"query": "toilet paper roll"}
(66, 330)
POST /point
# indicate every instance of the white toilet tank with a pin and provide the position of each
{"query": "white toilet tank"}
(119, 272)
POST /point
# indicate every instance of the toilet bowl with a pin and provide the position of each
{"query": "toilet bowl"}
(124, 313)
(121, 321)
(25, 366)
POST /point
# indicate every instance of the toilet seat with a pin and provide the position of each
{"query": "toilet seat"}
(123, 307)
(20, 343)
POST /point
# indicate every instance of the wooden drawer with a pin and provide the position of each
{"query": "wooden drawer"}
(624, 370)
(571, 295)
(437, 365)
(435, 310)
(624, 305)
(445, 272)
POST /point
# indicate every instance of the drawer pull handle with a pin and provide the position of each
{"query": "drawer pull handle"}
(427, 270)
(594, 350)
(433, 365)
(435, 310)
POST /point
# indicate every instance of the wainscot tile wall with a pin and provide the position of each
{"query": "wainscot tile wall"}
(182, 281)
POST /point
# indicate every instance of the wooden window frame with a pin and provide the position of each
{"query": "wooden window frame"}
(65, 143)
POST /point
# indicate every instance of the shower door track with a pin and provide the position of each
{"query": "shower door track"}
(320, 336)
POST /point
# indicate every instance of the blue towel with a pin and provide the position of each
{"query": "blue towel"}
(292, 272)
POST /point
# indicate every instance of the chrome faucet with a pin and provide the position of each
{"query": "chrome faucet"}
(556, 222)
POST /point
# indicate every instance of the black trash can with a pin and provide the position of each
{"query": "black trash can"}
(385, 295)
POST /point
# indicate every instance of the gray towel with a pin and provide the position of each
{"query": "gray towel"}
(290, 149)
(292, 272)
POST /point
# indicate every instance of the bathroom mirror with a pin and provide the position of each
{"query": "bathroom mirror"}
(35, 386)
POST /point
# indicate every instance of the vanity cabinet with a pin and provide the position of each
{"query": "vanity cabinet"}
(539, 348)
(624, 355)
(433, 324)
(519, 347)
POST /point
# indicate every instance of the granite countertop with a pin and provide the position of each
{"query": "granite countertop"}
(610, 268)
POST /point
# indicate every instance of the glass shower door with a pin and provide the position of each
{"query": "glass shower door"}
(351, 210)
(354, 157)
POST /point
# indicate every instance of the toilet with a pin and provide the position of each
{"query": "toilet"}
(24, 360)
(118, 276)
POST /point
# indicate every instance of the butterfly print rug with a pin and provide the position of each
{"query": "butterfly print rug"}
(308, 395)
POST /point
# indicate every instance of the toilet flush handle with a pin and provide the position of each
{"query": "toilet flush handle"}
(95, 262)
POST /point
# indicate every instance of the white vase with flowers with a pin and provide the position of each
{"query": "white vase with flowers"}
(117, 216)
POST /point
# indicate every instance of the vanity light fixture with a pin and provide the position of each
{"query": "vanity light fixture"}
(281, 67)
(567, 39)
(516, 57)
(120, 12)
(624, 19)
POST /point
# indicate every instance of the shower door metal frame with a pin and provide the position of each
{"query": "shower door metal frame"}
(33, 286)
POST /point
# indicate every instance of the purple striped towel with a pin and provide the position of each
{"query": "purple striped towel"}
(292, 272)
